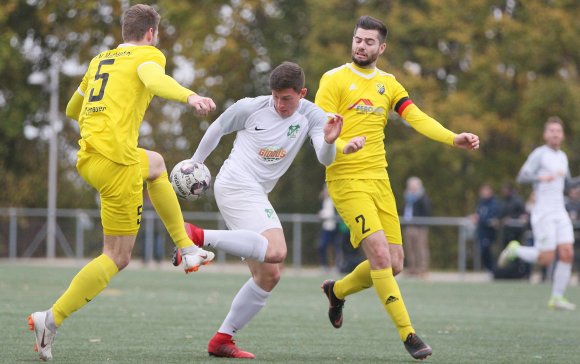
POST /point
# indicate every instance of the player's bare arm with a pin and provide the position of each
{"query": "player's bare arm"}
(354, 145)
(466, 141)
(203, 105)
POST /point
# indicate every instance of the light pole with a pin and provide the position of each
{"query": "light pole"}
(52, 159)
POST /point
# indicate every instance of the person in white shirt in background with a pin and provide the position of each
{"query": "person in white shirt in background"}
(547, 169)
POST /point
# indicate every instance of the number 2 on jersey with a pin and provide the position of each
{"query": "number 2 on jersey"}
(361, 220)
(105, 77)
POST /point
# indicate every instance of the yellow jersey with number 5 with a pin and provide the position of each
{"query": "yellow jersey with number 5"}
(115, 101)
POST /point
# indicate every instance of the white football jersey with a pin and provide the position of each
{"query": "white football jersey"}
(266, 143)
(546, 161)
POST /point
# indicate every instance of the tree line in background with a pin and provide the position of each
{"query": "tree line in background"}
(495, 68)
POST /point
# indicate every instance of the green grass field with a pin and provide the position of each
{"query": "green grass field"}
(149, 316)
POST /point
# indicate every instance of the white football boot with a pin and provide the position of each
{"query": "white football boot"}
(561, 303)
(44, 336)
(194, 257)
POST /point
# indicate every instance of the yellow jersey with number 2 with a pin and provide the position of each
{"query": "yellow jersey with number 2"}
(364, 98)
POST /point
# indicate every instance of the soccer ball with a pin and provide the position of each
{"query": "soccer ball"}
(190, 179)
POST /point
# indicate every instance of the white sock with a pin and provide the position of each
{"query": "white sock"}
(561, 277)
(192, 249)
(243, 243)
(247, 303)
(529, 254)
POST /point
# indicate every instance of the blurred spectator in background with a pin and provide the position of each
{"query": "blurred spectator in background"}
(351, 256)
(159, 241)
(573, 208)
(486, 219)
(415, 237)
(573, 204)
(329, 234)
(512, 214)
(515, 222)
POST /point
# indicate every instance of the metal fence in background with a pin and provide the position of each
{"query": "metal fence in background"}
(23, 233)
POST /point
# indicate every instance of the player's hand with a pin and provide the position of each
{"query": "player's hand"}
(466, 141)
(202, 105)
(332, 128)
(354, 145)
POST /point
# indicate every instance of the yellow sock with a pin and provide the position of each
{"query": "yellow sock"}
(165, 203)
(85, 286)
(355, 281)
(390, 295)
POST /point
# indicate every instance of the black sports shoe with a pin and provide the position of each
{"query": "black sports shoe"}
(334, 303)
(176, 257)
(416, 347)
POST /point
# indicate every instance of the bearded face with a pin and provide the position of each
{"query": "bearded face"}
(366, 47)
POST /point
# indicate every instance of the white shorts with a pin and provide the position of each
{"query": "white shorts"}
(551, 229)
(245, 207)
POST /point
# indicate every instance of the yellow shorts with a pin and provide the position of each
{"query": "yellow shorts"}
(144, 163)
(366, 206)
(120, 190)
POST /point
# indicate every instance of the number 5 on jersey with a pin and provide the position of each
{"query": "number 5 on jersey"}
(105, 77)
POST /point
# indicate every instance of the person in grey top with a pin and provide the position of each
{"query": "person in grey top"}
(547, 170)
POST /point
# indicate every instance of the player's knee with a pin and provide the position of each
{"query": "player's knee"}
(156, 165)
(380, 260)
(280, 256)
(566, 255)
(277, 255)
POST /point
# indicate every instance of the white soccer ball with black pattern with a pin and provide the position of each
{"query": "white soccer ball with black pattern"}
(190, 179)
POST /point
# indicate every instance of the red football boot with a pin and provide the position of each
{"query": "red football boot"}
(223, 345)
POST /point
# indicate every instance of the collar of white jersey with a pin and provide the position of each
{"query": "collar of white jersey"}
(360, 71)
